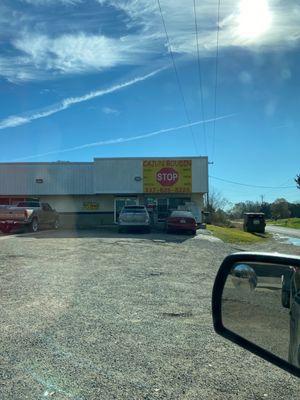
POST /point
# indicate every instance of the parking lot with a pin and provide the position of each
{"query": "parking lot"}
(98, 315)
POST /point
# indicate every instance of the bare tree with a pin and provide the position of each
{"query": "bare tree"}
(297, 180)
(215, 205)
(216, 201)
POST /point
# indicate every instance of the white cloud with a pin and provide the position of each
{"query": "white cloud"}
(51, 2)
(281, 24)
(13, 121)
(41, 53)
(76, 53)
(124, 140)
(17, 120)
(109, 110)
(19, 69)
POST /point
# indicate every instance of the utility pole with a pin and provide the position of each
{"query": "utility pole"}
(207, 195)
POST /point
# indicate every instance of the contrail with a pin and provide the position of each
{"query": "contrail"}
(17, 120)
(124, 140)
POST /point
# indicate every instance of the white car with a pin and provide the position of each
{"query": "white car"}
(136, 217)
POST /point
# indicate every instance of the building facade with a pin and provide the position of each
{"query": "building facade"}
(93, 193)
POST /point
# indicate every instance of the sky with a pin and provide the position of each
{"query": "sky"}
(145, 78)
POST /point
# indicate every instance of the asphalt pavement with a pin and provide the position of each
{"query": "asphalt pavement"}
(283, 231)
(97, 315)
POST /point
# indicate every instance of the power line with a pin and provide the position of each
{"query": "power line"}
(281, 185)
(200, 76)
(253, 186)
(286, 181)
(177, 76)
(216, 78)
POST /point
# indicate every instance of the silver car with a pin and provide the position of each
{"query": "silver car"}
(134, 217)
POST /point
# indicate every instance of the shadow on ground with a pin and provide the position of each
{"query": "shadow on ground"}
(262, 235)
(110, 232)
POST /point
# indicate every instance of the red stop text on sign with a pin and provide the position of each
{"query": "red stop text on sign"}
(167, 176)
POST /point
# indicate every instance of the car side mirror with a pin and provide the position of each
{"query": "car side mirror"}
(256, 304)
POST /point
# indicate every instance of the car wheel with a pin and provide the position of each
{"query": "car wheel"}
(34, 225)
(6, 229)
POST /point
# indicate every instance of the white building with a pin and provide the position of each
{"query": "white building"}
(92, 193)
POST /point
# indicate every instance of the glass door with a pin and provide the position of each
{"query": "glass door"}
(162, 209)
(120, 202)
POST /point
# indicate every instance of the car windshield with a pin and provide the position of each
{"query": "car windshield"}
(119, 114)
(134, 210)
(29, 204)
(179, 214)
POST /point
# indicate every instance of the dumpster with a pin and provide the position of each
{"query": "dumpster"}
(254, 222)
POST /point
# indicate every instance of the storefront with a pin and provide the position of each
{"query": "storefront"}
(92, 194)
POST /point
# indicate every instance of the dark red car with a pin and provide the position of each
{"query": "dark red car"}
(181, 221)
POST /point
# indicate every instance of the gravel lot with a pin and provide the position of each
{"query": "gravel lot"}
(97, 315)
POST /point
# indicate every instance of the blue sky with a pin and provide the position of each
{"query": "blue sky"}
(82, 79)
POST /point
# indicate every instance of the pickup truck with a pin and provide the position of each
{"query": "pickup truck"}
(30, 215)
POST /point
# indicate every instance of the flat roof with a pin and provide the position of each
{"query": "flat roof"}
(98, 158)
(150, 158)
(48, 162)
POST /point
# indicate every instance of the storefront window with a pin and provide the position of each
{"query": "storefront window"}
(4, 201)
(179, 201)
(162, 209)
(164, 206)
(16, 200)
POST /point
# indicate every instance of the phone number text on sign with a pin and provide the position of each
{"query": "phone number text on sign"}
(167, 176)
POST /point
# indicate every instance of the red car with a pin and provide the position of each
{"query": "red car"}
(181, 221)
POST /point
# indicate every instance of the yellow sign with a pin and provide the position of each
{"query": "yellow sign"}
(167, 176)
(90, 206)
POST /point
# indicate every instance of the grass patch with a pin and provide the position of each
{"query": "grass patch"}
(287, 223)
(235, 235)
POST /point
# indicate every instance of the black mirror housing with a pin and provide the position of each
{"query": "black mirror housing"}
(225, 270)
